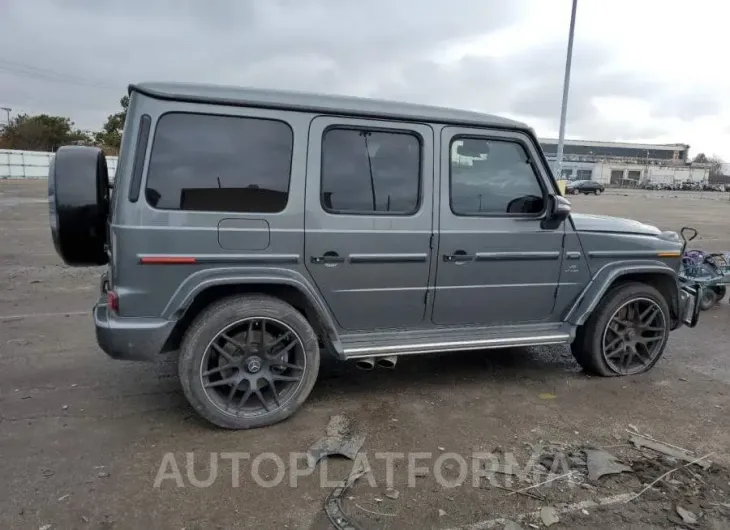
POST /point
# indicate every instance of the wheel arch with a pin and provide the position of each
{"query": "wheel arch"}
(658, 275)
(196, 294)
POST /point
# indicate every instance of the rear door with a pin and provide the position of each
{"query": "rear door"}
(369, 219)
(496, 264)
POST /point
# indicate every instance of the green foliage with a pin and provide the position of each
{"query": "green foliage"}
(42, 133)
(111, 134)
(47, 133)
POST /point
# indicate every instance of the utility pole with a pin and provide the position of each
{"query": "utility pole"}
(7, 114)
(566, 86)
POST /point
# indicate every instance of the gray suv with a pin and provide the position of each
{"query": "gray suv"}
(253, 231)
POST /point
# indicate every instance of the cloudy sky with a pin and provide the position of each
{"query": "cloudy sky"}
(643, 70)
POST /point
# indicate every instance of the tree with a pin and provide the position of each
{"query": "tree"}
(42, 133)
(715, 162)
(111, 135)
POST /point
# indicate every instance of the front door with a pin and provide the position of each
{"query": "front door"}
(496, 264)
(369, 219)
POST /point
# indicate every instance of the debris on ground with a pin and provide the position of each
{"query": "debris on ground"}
(338, 425)
(392, 494)
(601, 463)
(687, 516)
(333, 502)
(339, 440)
(375, 512)
(548, 515)
(441, 513)
(641, 441)
(511, 525)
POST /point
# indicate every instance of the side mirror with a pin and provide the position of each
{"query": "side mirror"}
(558, 211)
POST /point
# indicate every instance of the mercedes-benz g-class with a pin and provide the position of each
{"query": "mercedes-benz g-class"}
(254, 230)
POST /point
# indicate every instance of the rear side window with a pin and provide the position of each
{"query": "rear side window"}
(219, 163)
(370, 172)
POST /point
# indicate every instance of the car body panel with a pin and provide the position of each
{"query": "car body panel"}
(513, 274)
(381, 279)
(393, 282)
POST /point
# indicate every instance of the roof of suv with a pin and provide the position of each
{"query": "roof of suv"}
(332, 104)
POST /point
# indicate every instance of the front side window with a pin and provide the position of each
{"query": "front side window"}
(219, 163)
(370, 172)
(493, 177)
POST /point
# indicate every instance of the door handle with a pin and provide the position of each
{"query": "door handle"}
(328, 257)
(459, 255)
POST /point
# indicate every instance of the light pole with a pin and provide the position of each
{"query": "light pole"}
(7, 114)
(566, 86)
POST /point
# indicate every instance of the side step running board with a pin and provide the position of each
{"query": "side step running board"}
(434, 347)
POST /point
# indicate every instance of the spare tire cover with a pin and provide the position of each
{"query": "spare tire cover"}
(78, 200)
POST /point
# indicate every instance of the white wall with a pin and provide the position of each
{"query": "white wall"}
(34, 164)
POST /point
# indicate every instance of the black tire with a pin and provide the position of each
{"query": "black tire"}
(720, 292)
(587, 348)
(709, 298)
(219, 317)
(598, 191)
(78, 202)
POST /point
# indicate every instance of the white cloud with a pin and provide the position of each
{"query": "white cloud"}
(647, 70)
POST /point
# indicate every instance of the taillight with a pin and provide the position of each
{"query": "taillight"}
(112, 301)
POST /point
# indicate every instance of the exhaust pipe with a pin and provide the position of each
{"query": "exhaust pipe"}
(387, 362)
(365, 364)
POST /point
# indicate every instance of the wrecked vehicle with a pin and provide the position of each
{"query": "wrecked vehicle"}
(254, 231)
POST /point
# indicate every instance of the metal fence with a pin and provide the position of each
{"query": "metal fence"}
(34, 164)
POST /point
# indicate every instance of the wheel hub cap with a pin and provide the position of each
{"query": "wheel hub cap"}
(253, 365)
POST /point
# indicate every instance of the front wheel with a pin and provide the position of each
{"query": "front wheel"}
(248, 361)
(626, 334)
(598, 192)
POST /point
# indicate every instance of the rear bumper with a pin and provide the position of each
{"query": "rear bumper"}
(130, 339)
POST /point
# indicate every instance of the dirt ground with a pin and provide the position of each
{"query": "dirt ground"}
(83, 438)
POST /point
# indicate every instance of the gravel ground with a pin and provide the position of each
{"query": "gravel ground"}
(83, 438)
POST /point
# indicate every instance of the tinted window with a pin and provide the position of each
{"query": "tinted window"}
(219, 163)
(370, 172)
(493, 177)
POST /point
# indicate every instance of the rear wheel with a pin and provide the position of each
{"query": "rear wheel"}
(626, 334)
(248, 361)
(598, 191)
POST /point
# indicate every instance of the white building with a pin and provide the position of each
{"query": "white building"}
(626, 164)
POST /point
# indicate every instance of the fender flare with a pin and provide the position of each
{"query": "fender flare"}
(204, 279)
(602, 281)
